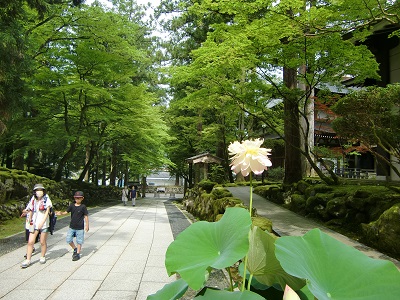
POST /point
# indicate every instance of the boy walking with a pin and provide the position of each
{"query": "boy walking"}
(79, 223)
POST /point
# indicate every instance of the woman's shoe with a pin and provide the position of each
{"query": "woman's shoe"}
(25, 264)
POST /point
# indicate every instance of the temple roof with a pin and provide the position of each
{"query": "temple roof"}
(205, 157)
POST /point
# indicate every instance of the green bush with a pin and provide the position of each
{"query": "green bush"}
(16, 189)
(302, 186)
(384, 232)
(276, 173)
(297, 202)
(312, 190)
(271, 192)
(217, 173)
(207, 185)
(262, 223)
(220, 192)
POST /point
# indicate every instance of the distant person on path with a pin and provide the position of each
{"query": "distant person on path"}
(38, 210)
(132, 195)
(125, 195)
(78, 225)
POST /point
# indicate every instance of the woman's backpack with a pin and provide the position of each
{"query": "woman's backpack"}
(53, 220)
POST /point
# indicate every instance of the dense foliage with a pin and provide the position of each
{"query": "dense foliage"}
(86, 101)
(231, 55)
(83, 89)
(372, 117)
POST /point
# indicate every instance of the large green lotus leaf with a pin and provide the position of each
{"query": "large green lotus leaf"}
(305, 294)
(211, 294)
(203, 245)
(264, 265)
(170, 291)
(336, 271)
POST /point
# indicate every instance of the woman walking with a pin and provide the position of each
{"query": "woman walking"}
(38, 208)
(125, 195)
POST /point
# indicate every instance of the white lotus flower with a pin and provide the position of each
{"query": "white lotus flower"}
(248, 156)
(289, 294)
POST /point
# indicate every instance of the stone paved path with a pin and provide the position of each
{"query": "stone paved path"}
(286, 222)
(122, 258)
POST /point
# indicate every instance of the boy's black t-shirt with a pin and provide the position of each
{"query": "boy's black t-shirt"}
(77, 216)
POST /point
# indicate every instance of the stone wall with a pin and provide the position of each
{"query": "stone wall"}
(16, 190)
(209, 202)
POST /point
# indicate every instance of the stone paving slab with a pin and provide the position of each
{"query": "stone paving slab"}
(123, 258)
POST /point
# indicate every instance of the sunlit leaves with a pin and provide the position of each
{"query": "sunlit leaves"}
(263, 264)
(334, 270)
(203, 245)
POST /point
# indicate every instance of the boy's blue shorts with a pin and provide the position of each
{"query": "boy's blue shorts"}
(79, 234)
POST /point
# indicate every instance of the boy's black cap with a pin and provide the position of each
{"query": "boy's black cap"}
(78, 194)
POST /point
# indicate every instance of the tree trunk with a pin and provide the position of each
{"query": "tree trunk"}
(90, 153)
(87, 161)
(144, 185)
(126, 174)
(64, 160)
(104, 172)
(8, 155)
(185, 186)
(332, 180)
(190, 175)
(293, 165)
(113, 165)
(30, 161)
(95, 178)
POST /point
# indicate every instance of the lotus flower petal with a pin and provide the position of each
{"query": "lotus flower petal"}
(289, 294)
(249, 157)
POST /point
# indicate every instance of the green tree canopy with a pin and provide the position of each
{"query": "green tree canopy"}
(371, 116)
(92, 93)
(245, 52)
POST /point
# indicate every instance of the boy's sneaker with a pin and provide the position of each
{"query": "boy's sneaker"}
(76, 257)
(25, 264)
(42, 260)
(74, 253)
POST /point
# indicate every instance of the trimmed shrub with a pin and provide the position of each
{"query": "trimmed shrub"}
(263, 223)
(270, 192)
(336, 208)
(220, 192)
(275, 173)
(302, 186)
(297, 203)
(384, 233)
(206, 185)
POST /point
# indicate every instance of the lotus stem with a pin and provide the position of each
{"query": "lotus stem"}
(228, 269)
(245, 259)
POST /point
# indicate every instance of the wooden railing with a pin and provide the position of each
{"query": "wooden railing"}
(164, 190)
(356, 173)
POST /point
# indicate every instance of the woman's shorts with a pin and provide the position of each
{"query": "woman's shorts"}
(79, 234)
(27, 233)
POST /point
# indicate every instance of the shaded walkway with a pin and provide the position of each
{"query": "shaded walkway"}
(122, 258)
(286, 222)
